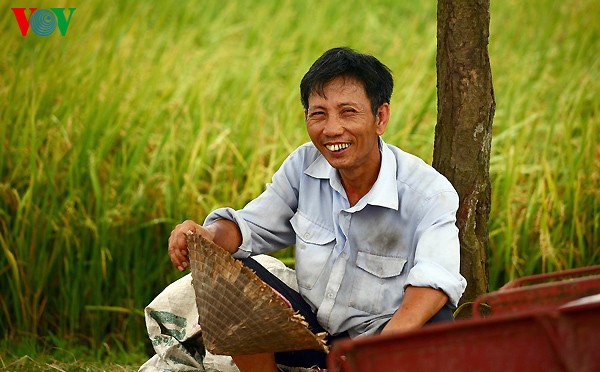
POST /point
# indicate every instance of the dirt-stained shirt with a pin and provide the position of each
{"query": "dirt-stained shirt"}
(354, 263)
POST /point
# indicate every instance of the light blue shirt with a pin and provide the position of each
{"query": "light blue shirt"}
(353, 263)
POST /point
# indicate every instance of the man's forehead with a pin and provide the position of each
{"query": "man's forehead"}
(319, 105)
(347, 89)
(344, 82)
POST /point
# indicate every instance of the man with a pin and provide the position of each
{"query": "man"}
(377, 247)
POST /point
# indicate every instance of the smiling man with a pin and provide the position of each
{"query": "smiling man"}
(377, 247)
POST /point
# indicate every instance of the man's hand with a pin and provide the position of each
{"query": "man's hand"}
(224, 233)
(178, 246)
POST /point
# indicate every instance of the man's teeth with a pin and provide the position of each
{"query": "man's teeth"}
(337, 147)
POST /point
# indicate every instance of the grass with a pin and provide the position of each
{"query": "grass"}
(56, 355)
(144, 115)
(546, 158)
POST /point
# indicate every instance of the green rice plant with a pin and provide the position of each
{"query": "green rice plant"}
(146, 114)
(545, 163)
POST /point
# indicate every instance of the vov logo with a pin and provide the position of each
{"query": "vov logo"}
(43, 22)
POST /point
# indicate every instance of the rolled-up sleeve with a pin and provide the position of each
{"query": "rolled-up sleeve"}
(437, 252)
(245, 248)
(265, 221)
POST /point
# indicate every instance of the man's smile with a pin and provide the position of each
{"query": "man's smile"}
(337, 146)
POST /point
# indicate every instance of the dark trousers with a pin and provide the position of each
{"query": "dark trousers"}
(311, 358)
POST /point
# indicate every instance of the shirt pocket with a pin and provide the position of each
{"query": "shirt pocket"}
(379, 284)
(314, 244)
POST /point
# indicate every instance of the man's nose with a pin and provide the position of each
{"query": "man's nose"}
(333, 127)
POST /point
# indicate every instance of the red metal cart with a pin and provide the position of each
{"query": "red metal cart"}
(540, 292)
(533, 327)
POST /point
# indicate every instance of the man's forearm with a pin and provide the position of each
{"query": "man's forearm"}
(418, 306)
(226, 234)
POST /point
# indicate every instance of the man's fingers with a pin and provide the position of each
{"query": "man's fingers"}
(177, 244)
(181, 262)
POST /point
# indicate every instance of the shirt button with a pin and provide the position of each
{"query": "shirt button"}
(307, 236)
(330, 295)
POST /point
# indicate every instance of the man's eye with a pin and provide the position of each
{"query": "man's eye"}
(316, 114)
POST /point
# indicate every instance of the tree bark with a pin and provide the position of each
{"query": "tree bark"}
(463, 133)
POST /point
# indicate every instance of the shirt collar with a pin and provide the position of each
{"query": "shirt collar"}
(320, 168)
(384, 192)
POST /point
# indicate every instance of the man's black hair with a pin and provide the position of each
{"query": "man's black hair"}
(375, 76)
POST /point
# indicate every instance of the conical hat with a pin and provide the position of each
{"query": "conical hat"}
(238, 312)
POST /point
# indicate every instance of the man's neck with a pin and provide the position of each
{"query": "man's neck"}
(357, 184)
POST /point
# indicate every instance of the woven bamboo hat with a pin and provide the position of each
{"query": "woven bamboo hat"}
(238, 313)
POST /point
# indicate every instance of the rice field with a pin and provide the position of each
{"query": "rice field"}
(145, 114)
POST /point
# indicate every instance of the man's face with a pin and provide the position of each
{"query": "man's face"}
(342, 126)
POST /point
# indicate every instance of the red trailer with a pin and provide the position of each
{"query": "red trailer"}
(540, 292)
(548, 322)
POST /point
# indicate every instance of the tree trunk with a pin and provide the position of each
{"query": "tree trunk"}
(463, 133)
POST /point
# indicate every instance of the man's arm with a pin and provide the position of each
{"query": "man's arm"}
(418, 306)
(224, 233)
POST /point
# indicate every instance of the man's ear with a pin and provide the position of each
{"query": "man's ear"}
(382, 118)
